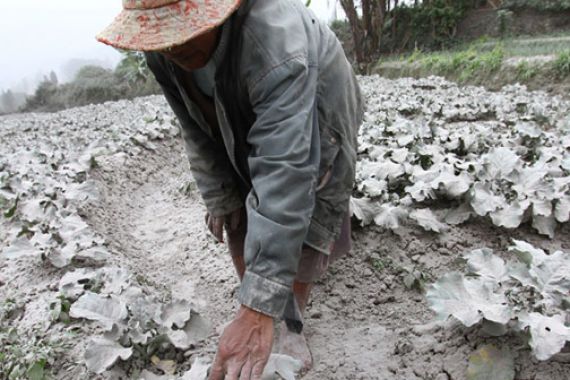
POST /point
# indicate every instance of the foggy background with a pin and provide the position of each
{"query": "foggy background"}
(40, 36)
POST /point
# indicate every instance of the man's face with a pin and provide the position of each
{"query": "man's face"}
(195, 53)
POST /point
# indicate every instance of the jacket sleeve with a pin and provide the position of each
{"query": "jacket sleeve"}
(283, 163)
(209, 163)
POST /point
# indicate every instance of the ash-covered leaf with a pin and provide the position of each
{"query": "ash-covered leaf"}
(428, 220)
(196, 330)
(364, 209)
(93, 255)
(545, 225)
(199, 369)
(102, 353)
(483, 200)
(114, 279)
(175, 313)
(527, 253)
(467, 300)
(459, 215)
(562, 210)
(390, 217)
(106, 310)
(510, 216)
(484, 263)
(548, 334)
(373, 187)
(500, 162)
(281, 367)
(452, 185)
(20, 248)
(542, 207)
(75, 283)
(420, 191)
(490, 363)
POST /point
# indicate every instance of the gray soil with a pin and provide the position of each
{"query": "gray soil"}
(362, 322)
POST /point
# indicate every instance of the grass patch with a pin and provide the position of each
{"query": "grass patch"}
(562, 64)
(465, 64)
(526, 71)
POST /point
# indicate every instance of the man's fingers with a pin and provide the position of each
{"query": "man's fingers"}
(246, 371)
(216, 374)
(257, 370)
(235, 219)
(217, 370)
(219, 229)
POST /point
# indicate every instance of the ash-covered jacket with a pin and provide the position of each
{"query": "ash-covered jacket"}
(304, 112)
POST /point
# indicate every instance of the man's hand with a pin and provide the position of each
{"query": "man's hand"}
(216, 223)
(244, 347)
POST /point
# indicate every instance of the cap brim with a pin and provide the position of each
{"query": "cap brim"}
(168, 26)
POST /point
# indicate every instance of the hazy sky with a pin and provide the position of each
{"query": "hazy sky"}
(42, 35)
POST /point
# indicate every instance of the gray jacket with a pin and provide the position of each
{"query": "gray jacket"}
(307, 108)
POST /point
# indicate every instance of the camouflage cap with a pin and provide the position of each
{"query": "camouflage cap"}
(150, 25)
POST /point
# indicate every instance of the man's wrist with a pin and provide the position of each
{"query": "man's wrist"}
(249, 313)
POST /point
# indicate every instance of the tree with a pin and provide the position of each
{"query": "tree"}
(8, 102)
(366, 29)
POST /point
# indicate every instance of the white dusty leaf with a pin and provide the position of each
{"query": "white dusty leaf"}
(390, 217)
(364, 209)
(75, 283)
(420, 191)
(20, 248)
(490, 363)
(542, 207)
(373, 187)
(428, 220)
(484, 263)
(528, 130)
(115, 280)
(147, 375)
(483, 200)
(199, 369)
(86, 191)
(195, 330)
(102, 353)
(500, 162)
(452, 185)
(552, 279)
(142, 308)
(467, 300)
(548, 334)
(562, 210)
(459, 214)
(96, 255)
(545, 225)
(388, 171)
(527, 253)
(175, 313)
(106, 310)
(61, 257)
(281, 367)
(510, 216)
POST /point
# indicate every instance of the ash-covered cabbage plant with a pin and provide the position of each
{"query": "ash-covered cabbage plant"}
(46, 174)
(462, 152)
(531, 294)
(134, 323)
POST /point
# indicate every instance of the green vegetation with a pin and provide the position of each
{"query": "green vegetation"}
(526, 71)
(94, 84)
(541, 5)
(465, 64)
(562, 64)
(541, 60)
(25, 357)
